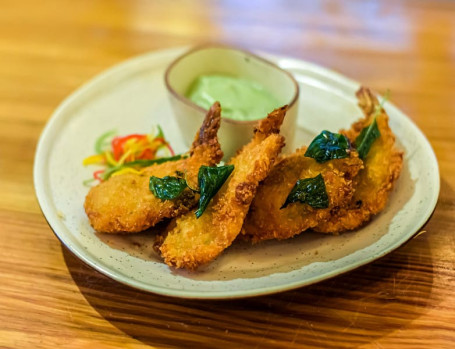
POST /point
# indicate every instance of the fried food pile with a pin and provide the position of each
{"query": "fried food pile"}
(337, 183)
(195, 241)
(356, 189)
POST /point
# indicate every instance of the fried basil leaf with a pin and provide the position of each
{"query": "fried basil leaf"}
(366, 138)
(328, 146)
(167, 188)
(210, 180)
(309, 191)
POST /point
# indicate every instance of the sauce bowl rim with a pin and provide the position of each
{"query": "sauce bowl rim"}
(193, 105)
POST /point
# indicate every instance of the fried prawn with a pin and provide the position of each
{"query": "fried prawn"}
(268, 220)
(195, 241)
(124, 203)
(383, 165)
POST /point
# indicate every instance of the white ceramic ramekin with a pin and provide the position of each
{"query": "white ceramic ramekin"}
(221, 59)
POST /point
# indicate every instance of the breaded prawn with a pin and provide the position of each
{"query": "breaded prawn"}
(195, 241)
(267, 220)
(124, 203)
(383, 165)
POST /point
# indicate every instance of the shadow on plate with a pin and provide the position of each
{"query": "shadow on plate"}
(360, 307)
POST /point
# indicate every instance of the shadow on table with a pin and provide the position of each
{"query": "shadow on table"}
(350, 310)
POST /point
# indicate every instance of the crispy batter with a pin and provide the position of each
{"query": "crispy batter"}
(382, 168)
(355, 191)
(193, 242)
(266, 220)
(124, 203)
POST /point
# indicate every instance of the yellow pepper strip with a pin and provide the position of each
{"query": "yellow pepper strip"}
(121, 161)
(110, 159)
(94, 159)
(132, 148)
(156, 144)
(126, 170)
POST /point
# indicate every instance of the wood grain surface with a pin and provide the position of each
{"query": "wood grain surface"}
(48, 298)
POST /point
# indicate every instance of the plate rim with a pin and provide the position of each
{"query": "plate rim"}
(42, 150)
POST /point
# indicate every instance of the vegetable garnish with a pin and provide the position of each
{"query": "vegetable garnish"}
(103, 141)
(328, 146)
(210, 180)
(309, 191)
(369, 134)
(167, 188)
(365, 139)
(129, 153)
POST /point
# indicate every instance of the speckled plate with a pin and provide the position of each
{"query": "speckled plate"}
(131, 97)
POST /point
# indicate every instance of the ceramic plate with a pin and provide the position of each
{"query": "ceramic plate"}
(131, 97)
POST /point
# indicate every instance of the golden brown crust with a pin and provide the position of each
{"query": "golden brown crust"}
(209, 129)
(242, 193)
(271, 124)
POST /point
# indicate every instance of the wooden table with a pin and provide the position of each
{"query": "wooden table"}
(48, 298)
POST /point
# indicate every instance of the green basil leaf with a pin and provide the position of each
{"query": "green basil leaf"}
(328, 146)
(366, 138)
(210, 180)
(167, 188)
(309, 191)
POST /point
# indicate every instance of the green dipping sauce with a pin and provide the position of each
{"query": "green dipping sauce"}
(240, 98)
